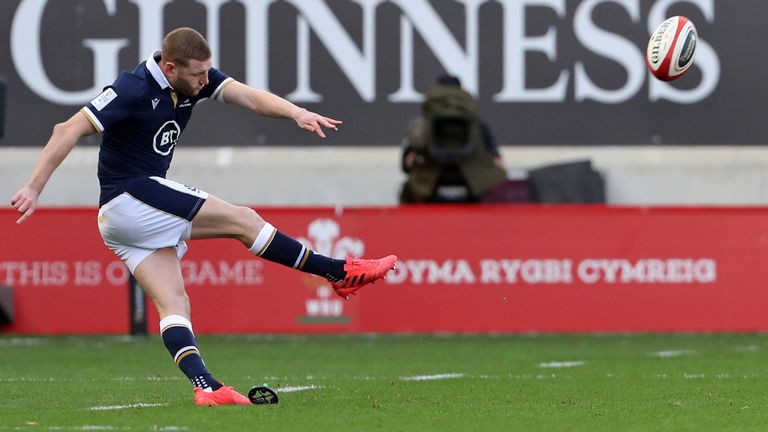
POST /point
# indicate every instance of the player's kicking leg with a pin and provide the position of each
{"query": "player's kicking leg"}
(218, 218)
(159, 275)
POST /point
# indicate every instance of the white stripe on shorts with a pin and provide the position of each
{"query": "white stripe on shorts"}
(180, 187)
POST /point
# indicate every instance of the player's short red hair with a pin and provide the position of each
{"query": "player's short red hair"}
(183, 44)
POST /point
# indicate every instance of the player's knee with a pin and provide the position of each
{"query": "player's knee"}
(172, 302)
(178, 303)
(249, 220)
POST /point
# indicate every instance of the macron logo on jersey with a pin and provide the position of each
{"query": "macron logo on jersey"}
(155, 101)
(104, 99)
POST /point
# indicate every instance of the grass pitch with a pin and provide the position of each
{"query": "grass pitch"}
(394, 383)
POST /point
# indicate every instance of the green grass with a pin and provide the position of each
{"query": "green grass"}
(621, 383)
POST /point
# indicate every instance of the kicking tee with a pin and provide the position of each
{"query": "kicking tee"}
(141, 119)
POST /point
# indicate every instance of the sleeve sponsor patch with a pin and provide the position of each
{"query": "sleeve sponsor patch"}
(104, 99)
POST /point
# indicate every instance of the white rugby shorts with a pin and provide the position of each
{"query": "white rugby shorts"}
(153, 213)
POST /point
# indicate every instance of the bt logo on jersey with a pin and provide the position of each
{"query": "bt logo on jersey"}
(166, 137)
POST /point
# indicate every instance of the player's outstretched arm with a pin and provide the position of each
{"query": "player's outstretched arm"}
(271, 105)
(62, 141)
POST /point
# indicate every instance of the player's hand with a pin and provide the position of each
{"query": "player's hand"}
(25, 202)
(314, 122)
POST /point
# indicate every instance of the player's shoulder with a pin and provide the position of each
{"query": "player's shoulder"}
(135, 76)
(135, 79)
(130, 85)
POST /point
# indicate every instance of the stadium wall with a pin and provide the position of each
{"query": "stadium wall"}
(524, 268)
(371, 176)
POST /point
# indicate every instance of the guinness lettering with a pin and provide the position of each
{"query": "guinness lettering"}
(359, 66)
(546, 72)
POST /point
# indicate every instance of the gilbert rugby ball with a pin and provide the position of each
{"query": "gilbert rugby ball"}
(672, 48)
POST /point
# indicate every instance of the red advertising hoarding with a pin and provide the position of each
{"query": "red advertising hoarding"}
(462, 269)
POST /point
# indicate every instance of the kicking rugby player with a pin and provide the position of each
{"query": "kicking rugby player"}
(145, 218)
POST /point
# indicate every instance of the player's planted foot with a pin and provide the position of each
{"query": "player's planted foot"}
(361, 272)
(223, 396)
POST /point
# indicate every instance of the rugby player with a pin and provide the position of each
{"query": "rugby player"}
(145, 218)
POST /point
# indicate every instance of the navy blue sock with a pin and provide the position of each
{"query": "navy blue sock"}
(272, 245)
(177, 335)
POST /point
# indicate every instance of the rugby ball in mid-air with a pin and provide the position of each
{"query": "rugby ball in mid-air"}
(672, 48)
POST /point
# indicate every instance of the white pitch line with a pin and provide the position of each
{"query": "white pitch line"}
(94, 428)
(291, 389)
(149, 378)
(671, 353)
(562, 364)
(33, 379)
(83, 428)
(119, 407)
(23, 342)
(100, 428)
(432, 377)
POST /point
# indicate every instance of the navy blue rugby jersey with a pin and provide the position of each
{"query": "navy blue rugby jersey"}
(141, 119)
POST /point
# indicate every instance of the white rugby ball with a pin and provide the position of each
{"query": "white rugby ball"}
(671, 48)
